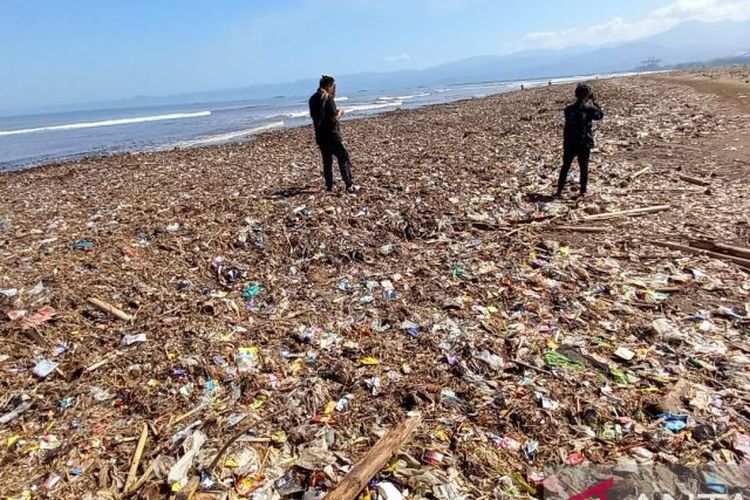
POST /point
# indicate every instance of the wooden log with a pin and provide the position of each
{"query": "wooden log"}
(373, 462)
(628, 213)
(700, 251)
(110, 309)
(136, 459)
(579, 229)
(742, 252)
(694, 180)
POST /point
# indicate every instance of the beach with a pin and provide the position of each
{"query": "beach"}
(451, 286)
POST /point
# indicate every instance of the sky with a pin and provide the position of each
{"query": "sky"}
(60, 52)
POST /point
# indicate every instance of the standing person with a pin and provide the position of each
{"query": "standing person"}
(325, 116)
(578, 138)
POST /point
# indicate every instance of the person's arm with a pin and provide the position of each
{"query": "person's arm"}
(331, 111)
(594, 111)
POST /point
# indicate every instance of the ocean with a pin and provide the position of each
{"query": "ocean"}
(32, 140)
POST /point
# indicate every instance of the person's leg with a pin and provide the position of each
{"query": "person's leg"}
(583, 162)
(327, 165)
(345, 165)
(568, 155)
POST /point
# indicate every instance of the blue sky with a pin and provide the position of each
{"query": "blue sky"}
(55, 51)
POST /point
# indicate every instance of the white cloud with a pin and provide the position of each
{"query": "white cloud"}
(619, 29)
(399, 57)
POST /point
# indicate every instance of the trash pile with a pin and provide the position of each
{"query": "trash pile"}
(207, 323)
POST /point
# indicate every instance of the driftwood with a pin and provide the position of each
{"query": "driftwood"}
(111, 309)
(145, 477)
(579, 229)
(742, 252)
(700, 251)
(640, 173)
(136, 459)
(628, 213)
(376, 458)
(694, 180)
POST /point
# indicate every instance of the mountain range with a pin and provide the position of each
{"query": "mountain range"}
(688, 44)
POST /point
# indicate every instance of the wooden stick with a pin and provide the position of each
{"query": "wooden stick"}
(628, 213)
(185, 415)
(136, 458)
(700, 251)
(694, 180)
(530, 367)
(579, 229)
(668, 190)
(482, 226)
(103, 361)
(145, 477)
(376, 458)
(110, 309)
(235, 437)
(733, 250)
(640, 173)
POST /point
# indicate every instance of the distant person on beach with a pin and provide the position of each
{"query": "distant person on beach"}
(325, 116)
(578, 137)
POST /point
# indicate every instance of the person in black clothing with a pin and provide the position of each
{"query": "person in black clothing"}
(578, 136)
(325, 116)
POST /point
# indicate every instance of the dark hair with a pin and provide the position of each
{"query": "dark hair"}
(582, 91)
(326, 80)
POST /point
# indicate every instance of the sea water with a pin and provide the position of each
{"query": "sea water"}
(36, 139)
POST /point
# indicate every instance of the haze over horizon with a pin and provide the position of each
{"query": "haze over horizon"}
(93, 51)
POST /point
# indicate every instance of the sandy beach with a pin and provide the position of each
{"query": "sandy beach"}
(526, 332)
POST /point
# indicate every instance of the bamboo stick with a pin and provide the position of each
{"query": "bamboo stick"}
(136, 458)
(110, 309)
(628, 213)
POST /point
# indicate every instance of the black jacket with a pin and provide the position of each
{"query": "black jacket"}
(578, 128)
(324, 114)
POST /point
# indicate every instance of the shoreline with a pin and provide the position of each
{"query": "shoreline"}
(531, 84)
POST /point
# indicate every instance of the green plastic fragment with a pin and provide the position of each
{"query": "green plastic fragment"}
(556, 360)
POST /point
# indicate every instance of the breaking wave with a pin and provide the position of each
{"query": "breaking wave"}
(369, 107)
(220, 138)
(297, 114)
(105, 123)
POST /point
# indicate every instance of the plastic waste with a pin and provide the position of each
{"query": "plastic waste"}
(247, 359)
(673, 421)
(192, 446)
(44, 367)
(388, 491)
(492, 360)
(83, 245)
(129, 340)
(252, 291)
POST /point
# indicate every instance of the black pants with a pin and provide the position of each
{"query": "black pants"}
(570, 153)
(330, 147)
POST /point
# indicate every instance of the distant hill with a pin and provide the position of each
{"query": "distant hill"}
(692, 41)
